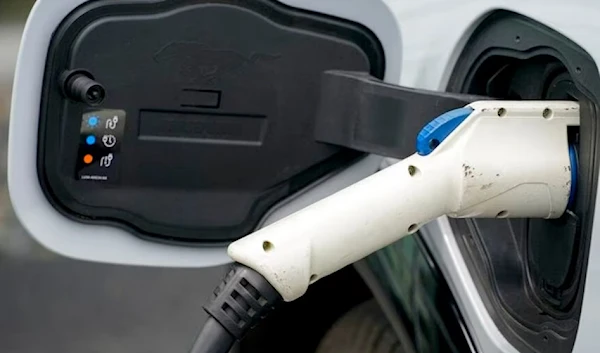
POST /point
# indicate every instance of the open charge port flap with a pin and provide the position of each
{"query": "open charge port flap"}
(202, 128)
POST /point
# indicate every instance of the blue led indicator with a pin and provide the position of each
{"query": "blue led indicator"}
(93, 121)
(90, 140)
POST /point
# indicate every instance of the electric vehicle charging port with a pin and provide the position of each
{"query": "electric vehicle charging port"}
(512, 57)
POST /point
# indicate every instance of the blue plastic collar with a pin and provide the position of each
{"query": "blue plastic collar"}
(573, 191)
(434, 133)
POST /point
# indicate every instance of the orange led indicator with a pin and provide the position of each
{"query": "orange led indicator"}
(88, 158)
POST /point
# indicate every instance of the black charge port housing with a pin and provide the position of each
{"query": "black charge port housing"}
(186, 121)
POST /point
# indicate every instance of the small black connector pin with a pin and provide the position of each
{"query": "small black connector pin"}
(80, 86)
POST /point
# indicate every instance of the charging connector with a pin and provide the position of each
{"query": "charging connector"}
(490, 159)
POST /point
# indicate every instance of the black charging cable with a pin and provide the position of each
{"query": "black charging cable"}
(238, 304)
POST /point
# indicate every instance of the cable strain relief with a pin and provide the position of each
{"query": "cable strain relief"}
(242, 300)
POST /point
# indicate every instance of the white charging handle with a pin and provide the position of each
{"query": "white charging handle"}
(505, 159)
